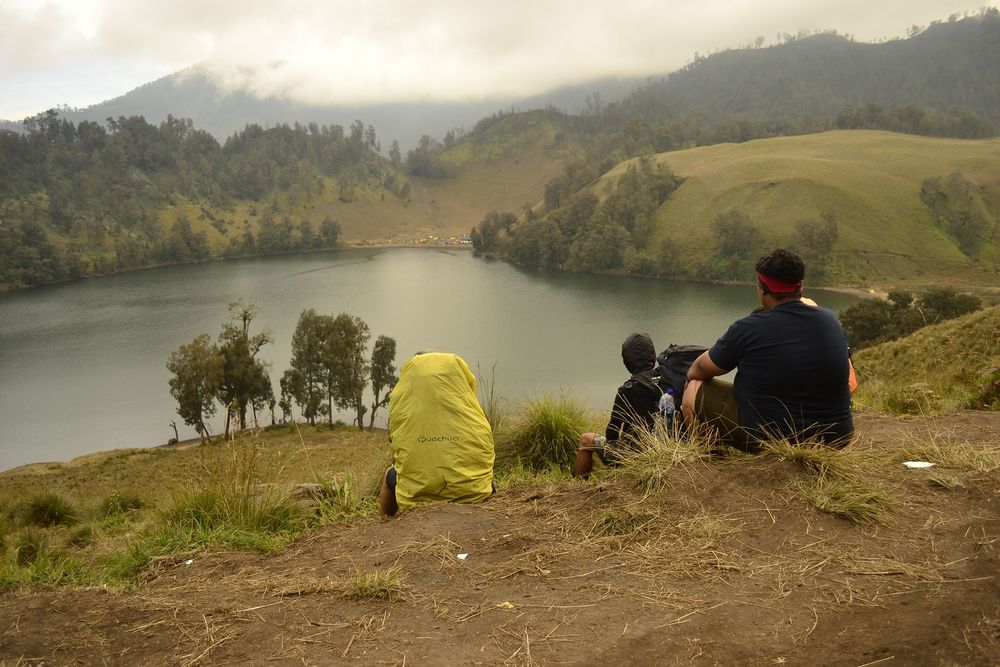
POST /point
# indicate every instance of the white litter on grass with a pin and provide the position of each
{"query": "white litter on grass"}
(189, 561)
(462, 556)
(918, 464)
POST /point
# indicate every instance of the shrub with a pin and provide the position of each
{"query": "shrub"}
(545, 432)
(48, 509)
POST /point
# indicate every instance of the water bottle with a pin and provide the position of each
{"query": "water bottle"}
(667, 408)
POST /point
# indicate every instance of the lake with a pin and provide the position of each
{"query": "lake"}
(82, 365)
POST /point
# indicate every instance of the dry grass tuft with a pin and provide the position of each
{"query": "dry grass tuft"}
(376, 585)
(856, 500)
(652, 464)
(817, 456)
(622, 521)
(958, 455)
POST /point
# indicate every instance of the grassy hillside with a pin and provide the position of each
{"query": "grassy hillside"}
(946, 366)
(870, 181)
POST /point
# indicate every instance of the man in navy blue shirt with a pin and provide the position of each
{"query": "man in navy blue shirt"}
(792, 368)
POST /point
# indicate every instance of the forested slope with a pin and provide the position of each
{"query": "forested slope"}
(82, 199)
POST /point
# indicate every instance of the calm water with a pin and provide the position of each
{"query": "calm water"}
(82, 365)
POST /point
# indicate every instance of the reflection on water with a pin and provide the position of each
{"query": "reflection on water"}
(82, 365)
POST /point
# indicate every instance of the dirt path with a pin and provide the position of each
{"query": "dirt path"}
(729, 565)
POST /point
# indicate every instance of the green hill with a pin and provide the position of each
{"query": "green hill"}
(870, 182)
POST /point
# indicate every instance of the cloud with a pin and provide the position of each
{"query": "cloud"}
(368, 51)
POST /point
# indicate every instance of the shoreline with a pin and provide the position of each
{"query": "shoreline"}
(435, 244)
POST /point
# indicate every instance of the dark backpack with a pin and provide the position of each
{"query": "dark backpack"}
(672, 366)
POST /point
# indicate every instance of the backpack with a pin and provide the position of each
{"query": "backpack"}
(672, 366)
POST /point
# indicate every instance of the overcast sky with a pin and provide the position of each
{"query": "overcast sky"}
(80, 52)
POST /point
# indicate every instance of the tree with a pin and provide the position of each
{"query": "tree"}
(395, 156)
(866, 322)
(599, 246)
(736, 238)
(945, 303)
(382, 373)
(197, 374)
(330, 231)
(245, 383)
(814, 239)
(735, 234)
(344, 365)
(486, 237)
(305, 380)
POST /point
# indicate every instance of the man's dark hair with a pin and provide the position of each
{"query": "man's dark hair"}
(783, 265)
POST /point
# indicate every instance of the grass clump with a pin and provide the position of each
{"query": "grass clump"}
(28, 546)
(813, 455)
(545, 432)
(48, 509)
(81, 536)
(376, 585)
(233, 509)
(856, 500)
(651, 462)
(517, 475)
(116, 504)
(624, 521)
(494, 406)
(339, 501)
(957, 455)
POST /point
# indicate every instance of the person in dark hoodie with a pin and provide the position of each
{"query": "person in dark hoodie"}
(634, 409)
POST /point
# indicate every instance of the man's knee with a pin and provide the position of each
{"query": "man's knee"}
(689, 399)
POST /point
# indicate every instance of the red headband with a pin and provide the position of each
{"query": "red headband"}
(777, 285)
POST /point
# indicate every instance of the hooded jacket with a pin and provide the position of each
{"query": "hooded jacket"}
(637, 400)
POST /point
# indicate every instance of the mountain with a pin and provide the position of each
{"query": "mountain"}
(192, 94)
(948, 65)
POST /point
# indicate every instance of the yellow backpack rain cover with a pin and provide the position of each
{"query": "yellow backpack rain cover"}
(441, 442)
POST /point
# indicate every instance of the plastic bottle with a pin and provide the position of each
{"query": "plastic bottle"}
(667, 408)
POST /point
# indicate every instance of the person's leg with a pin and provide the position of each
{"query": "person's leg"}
(387, 494)
(585, 456)
(714, 403)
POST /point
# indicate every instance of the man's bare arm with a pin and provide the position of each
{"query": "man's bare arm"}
(704, 368)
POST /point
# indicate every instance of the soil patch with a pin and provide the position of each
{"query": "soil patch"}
(728, 565)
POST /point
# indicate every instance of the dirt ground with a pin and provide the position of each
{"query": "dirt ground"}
(728, 566)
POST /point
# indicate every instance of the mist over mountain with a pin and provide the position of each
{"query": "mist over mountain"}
(193, 94)
(948, 65)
